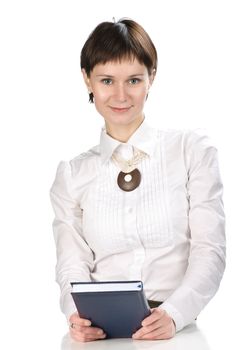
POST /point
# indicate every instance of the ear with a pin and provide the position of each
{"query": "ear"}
(87, 80)
(152, 77)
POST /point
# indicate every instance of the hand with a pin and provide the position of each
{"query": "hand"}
(158, 325)
(81, 330)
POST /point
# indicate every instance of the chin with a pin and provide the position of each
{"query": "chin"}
(123, 122)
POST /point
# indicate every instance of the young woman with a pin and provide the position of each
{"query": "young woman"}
(144, 204)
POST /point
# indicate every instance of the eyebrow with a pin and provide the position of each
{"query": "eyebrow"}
(112, 76)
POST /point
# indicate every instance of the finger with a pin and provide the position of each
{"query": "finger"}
(88, 333)
(145, 330)
(158, 334)
(92, 331)
(155, 333)
(150, 328)
(76, 320)
(86, 338)
(155, 315)
(79, 327)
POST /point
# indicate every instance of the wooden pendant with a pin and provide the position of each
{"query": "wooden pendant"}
(129, 181)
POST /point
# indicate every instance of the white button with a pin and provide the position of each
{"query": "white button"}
(130, 210)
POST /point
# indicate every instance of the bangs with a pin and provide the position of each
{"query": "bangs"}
(116, 55)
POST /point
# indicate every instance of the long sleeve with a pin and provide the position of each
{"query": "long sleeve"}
(74, 257)
(206, 263)
(170, 232)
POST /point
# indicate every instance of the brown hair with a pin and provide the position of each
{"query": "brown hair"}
(114, 41)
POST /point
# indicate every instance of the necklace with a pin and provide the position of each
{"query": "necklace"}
(129, 177)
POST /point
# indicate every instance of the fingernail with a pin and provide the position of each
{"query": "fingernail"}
(100, 332)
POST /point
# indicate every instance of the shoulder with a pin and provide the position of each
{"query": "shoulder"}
(88, 160)
(81, 165)
(193, 146)
(200, 149)
(189, 139)
(199, 139)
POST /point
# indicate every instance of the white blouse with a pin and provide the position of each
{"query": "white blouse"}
(169, 232)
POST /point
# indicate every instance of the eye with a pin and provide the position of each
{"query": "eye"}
(107, 81)
(134, 81)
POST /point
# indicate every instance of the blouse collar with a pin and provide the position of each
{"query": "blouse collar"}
(144, 139)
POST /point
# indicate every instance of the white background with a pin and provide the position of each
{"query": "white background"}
(202, 81)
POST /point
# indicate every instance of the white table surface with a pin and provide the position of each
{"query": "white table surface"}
(190, 338)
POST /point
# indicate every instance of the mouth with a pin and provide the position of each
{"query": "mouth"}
(120, 110)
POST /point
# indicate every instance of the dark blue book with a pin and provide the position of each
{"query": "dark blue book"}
(117, 307)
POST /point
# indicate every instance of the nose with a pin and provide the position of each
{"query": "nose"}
(120, 93)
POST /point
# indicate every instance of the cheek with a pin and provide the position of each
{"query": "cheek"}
(100, 96)
(143, 90)
(140, 96)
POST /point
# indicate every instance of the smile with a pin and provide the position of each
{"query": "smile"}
(120, 110)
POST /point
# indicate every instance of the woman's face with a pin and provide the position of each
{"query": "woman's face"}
(120, 90)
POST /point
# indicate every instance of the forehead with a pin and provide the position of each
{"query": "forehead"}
(123, 67)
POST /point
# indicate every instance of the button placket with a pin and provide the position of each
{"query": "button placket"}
(138, 261)
(130, 214)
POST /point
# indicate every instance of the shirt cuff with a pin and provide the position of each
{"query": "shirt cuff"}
(174, 314)
(67, 305)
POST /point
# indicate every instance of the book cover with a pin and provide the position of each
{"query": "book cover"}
(117, 307)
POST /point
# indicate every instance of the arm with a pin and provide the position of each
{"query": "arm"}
(206, 263)
(74, 257)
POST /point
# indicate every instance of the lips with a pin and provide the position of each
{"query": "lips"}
(120, 110)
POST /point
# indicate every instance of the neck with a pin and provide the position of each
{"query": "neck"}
(122, 132)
